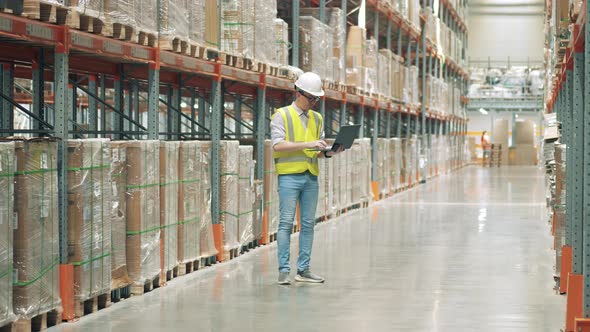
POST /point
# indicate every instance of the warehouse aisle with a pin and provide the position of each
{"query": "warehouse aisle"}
(465, 252)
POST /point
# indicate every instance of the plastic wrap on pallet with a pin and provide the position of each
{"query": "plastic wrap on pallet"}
(271, 197)
(36, 229)
(146, 15)
(414, 13)
(335, 20)
(190, 201)
(7, 170)
(238, 20)
(396, 148)
(120, 11)
(258, 208)
(355, 176)
(169, 186)
(207, 242)
(264, 42)
(119, 276)
(173, 16)
(89, 216)
(92, 8)
(321, 209)
(143, 211)
(196, 21)
(402, 7)
(315, 47)
(281, 42)
(246, 195)
(348, 179)
(229, 160)
(365, 169)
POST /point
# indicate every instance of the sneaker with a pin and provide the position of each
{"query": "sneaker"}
(284, 278)
(308, 277)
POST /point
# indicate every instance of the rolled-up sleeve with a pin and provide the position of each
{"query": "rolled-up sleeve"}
(277, 130)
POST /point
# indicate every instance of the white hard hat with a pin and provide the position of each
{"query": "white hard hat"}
(311, 83)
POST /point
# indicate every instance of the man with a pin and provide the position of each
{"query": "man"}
(297, 139)
(486, 146)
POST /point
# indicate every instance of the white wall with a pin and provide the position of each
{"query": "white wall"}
(503, 28)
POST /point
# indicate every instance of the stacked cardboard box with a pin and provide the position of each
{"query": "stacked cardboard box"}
(500, 136)
(396, 148)
(207, 243)
(174, 18)
(119, 276)
(315, 47)
(7, 169)
(190, 202)
(146, 19)
(281, 54)
(212, 24)
(355, 56)
(525, 152)
(229, 205)
(169, 187)
(36, 229)
(143, 211)
(79, 10)
(118, 13)
(265, 12)
(238, 27)
(414, 13)
(246, 195)
(89, 216)
(196, 21)
(335, 20)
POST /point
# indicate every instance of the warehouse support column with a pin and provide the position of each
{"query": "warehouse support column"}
(135, 98)
(399, 124)
(92, 106)
(342, 115)
(193, 113)
(295, 33)
(176, 104)
(153, 101)
(216, 133)
(260, 114)
(103, 108)
(585, 150)
(567, 253)
(203, 110)
(119, 106)
(39, 94)
(8, 91)
(574, 307)
(361, 120)
(323, 111)
(388, 123)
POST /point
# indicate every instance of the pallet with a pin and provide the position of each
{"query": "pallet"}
(188, 267)
(352, 90)
(170, 274)
(45, 11)
(8, 326)
(208, 261)
(231, 254)
(118, 31)
(148, 286)
(272, 237)
(92, 305)
(120, 293)
(249, 246)
(38, 323)
(175, 44)
(84, 22)
(145, 38)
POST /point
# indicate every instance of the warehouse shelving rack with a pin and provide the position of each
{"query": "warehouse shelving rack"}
(103, 87)
(569, 100)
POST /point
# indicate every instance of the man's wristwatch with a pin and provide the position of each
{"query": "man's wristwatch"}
(326, 155)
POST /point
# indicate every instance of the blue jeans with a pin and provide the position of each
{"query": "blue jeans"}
(293, 188)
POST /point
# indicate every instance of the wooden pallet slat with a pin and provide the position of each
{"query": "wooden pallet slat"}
(148, 286)
(117, 30)
(92, 305)
(45, 11)
(38, 323)
(84, 22)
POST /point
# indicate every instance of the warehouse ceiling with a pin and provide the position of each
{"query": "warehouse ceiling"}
(506, 7)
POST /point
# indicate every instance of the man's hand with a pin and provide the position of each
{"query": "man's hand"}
(333, 153)
(318, 145)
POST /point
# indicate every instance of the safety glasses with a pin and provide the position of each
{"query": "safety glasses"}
(312, 99)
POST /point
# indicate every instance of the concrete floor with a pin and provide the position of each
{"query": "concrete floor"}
(466, 252)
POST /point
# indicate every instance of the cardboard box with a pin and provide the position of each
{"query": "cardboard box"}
(89, 217)
(271, 197)
(525, 132)
(119, 275)
(207, 243)
(190, 201)
(355, 46)
(36, 229)
(212, 24)
(523, 155)
(7, 170)
(169, 207)
(143, 211)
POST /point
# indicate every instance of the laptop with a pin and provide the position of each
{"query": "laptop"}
(345, 137)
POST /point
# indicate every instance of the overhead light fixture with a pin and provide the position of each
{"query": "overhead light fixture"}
(482, 111)
(183, 104)
(516, 116)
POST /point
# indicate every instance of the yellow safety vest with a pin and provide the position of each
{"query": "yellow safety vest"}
(298, 161)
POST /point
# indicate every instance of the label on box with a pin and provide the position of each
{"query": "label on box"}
(43, 161)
